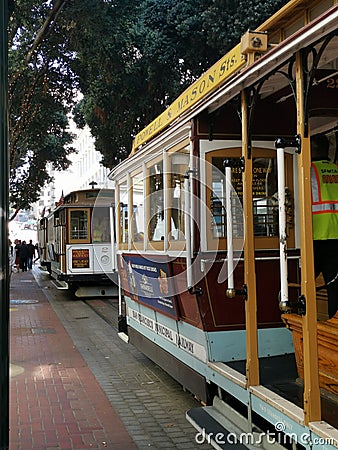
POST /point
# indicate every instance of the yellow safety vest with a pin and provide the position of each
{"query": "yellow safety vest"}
(324, 184)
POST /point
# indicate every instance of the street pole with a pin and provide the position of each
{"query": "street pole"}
(4, 250)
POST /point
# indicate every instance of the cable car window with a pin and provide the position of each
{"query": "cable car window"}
(178, 167)
(79, 224)
(138, 208)
(218, 200)
(156, 203)
(101, 225)
(265, 206)
(265, 200)
(58, 230)
(50, 229)
(123, 205)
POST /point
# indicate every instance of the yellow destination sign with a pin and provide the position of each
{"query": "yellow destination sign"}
(225, 67)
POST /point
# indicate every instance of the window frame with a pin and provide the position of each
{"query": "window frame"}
(82, 240)
(122, 245)
(152, 244)
(261, 242)
(138, 245)
(175, 244)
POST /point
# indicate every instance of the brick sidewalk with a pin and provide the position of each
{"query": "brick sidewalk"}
(55, 401)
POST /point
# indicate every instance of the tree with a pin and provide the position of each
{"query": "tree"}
(41, 92)
(145, 60)
(225, 21)
(109, 77)
(129, 59)
(154, 50)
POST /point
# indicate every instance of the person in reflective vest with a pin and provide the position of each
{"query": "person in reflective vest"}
(324, 186)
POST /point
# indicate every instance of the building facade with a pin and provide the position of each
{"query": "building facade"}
(85, 168)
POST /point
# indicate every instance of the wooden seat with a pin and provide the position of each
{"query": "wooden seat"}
(327, 335)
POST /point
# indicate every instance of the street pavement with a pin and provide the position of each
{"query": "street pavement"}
(95, 391)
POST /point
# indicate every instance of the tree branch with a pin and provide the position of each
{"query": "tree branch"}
(46, 27)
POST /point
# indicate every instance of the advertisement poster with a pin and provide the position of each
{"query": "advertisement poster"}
(148, 282)
(80, 258)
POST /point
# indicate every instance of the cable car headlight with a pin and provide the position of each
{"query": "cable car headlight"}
(105, 259)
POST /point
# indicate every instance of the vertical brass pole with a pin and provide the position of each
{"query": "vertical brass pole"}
(252, 365)
(4, 262)
(312, 410)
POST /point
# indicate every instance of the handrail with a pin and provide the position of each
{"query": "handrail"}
(284, 298)
(280, 145)
(229, 219)
(188, 243)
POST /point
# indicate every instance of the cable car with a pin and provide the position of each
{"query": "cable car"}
(214, 237)
(76, 242)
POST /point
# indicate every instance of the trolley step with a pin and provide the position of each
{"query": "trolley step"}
(60, 284)
(210, 430)
(97, 291)
(225, 428)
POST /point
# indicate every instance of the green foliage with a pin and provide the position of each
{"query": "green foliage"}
(129, 58)
(154, 50)
(110, 75)
(227, 20)
(145, 61)
(41, 92)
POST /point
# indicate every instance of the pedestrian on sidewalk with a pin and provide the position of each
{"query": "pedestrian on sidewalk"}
(31, 254)
(23, 256)
(17, 246)
(37, 249)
